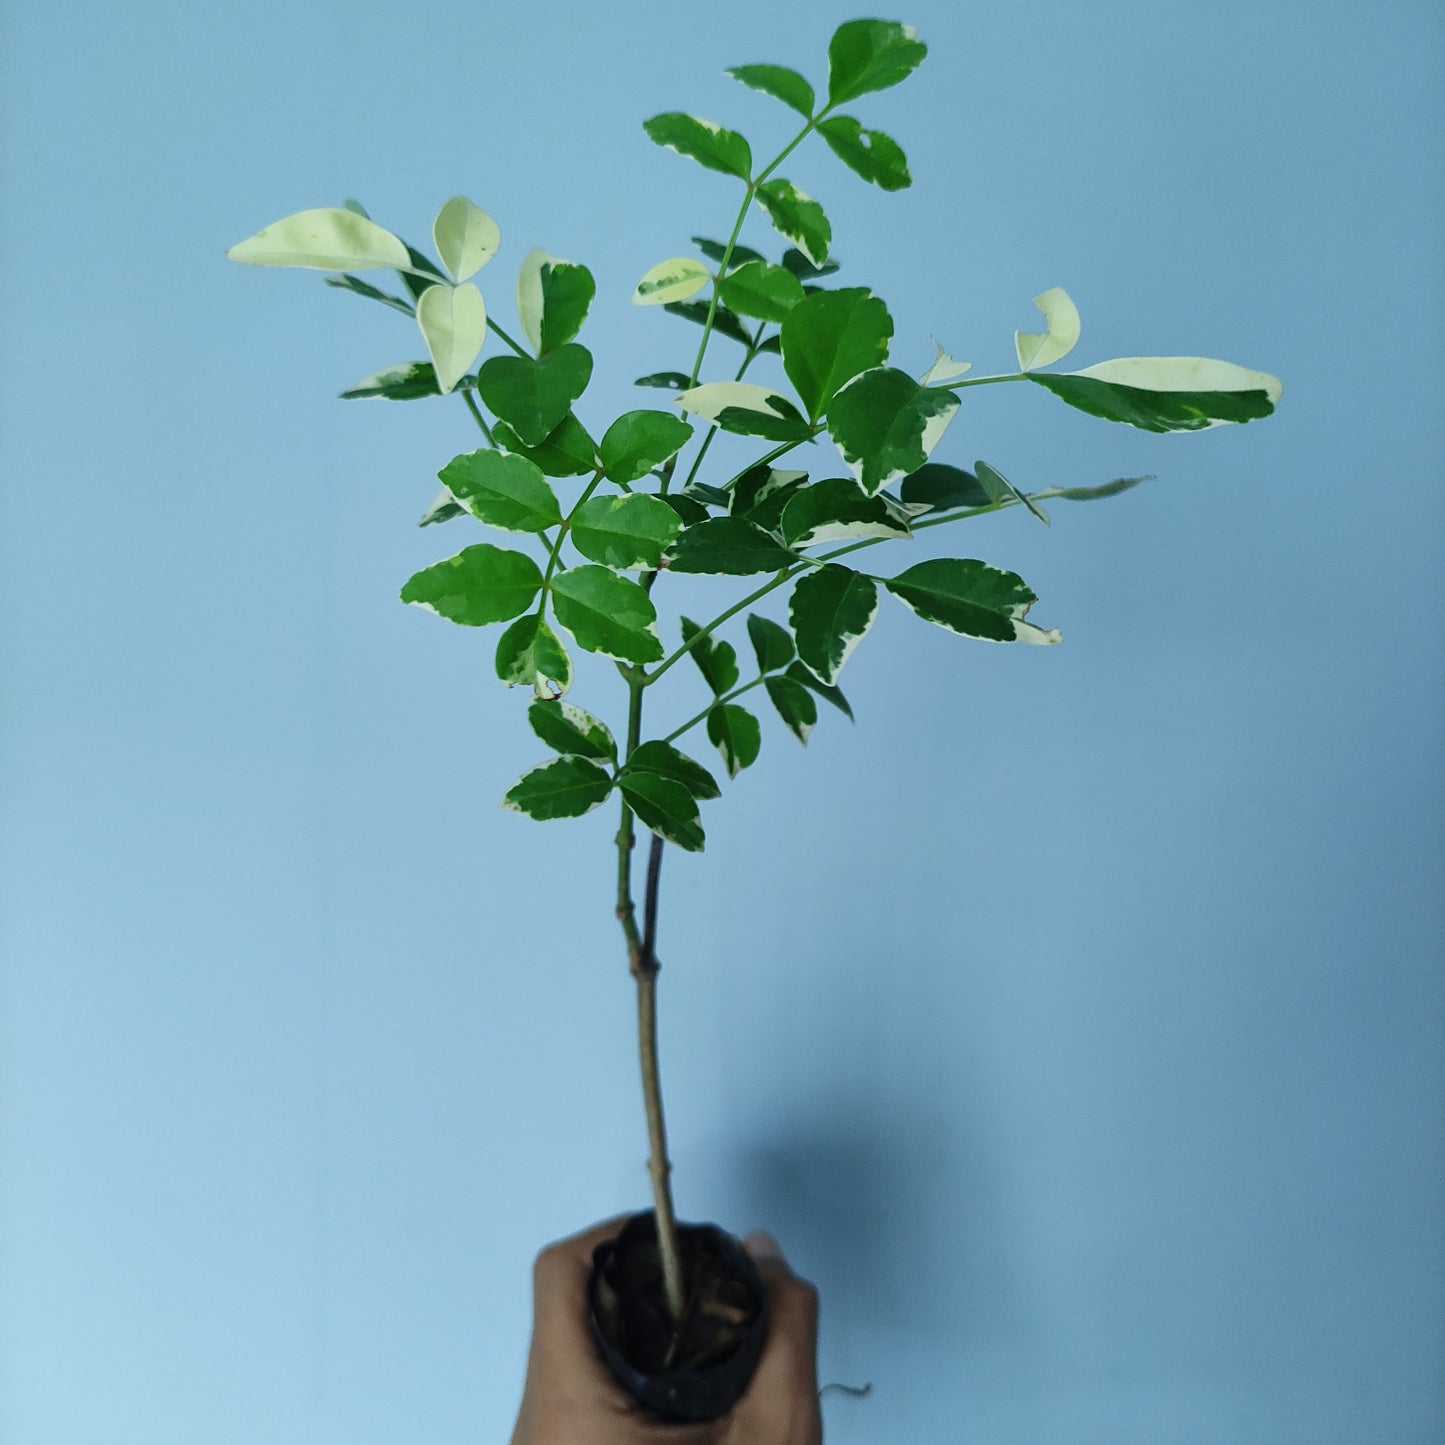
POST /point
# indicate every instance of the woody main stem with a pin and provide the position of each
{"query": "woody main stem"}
(642, 957)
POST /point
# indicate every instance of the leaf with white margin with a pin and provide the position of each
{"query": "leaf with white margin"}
(1000, 489)
(466, 237)
(330, 238)
(1167, 393)
(443, 508)
(553, 298)
(712, 398)
(673, 280)
(831, 611)
(1062, 319)
(566, 787)
(970, 597)
(453, 322)
(944, 368)
(885, 424)
(569, 729)
(798, 218)
(529, 652)
(666, 807)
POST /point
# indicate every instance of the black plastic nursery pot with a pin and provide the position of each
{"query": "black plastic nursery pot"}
(699, 1370)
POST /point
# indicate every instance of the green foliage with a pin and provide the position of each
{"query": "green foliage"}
(502, 491)
(479, 585)
(831, 611)
(644, 498)
(709, 145)
(533, 397)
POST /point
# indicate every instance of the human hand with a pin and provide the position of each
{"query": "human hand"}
(571, 1398)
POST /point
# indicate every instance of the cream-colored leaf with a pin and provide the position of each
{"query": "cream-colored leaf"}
(714, 397)
(673, 280)
(466, 237)
(529, 294)
(944, 368)
(453, 321)
(1046, 347)
(328, 239)
(1183, 373)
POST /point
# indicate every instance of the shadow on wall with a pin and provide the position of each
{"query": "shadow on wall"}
(898, 1219)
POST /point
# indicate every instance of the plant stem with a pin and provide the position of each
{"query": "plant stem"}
(481, 420)
(642, 956)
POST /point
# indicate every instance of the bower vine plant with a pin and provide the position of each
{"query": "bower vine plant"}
(599, 511)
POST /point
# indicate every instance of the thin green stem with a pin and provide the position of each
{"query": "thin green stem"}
(556, 550)
(520, 350)
(642, 958)
(788, 572)
(716, 702)
(976, 381)
(748, 359)
(481, 420)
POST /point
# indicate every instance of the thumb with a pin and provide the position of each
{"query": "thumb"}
(784, 1389)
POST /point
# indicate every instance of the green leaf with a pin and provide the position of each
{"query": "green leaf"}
(667, 762)
(553, 298)
(724, 322)
(795, 706)
(747, 409)
(532, 397)
(330, 238)
(1167, 393)
(530, 653)
(872, 154)
(503, 491)
(444, 508)
(1104, 489)
(356, 284)
(607, 614)
(407, 382)
(801, 267)
(837, 510)
(797, 217)
(727, 547)
(999, 488)
(943, 488)
(800, 674)
(569, 729)
(763, 502)
(708, 144)
(868, 55)
(772, 643)
(563, 788)
(480, 584)
(626, 531)
(673, 280)
(666, 807)
(780, 83)
(762, 291)
(829, 338)
(668, 380)
(971, 598)
(885, 425)
(453, 322)
(831, 612)
(716, 660)
(1061, 332)
(687, 509)
(715, 251)
(736, 734)
(640, 440)
(466, 238)
(567, 452)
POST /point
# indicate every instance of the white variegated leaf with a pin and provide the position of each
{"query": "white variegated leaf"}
(453, 322)
(1046, 347)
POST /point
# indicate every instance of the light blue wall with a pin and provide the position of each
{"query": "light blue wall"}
(1076, 1019)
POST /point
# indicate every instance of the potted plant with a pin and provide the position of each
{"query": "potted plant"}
(598, 511)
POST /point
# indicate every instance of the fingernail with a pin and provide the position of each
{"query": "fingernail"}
(762, 1246)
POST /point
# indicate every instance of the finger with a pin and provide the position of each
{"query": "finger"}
(788, 1369)
(559, 1289)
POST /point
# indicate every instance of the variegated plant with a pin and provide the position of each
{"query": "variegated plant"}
(608, 510)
